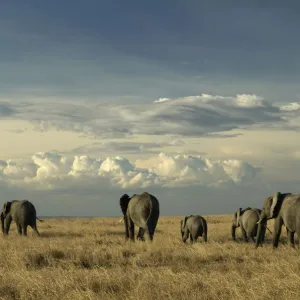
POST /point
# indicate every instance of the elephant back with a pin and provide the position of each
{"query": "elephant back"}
(142, 207)
(250, 218)
(194, 221)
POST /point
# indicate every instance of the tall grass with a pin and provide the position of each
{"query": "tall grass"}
(89, 259)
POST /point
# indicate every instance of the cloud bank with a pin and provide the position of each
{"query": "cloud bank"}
(48, 170)
(191, 116)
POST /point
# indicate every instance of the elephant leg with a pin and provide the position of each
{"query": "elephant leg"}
(19, 228)
(277, 231)
(263, 233)
(25, 230)
(244, 235)
(141, 234)
(205, 237)
(7, 224)
(126, 224)
(186, 235)
(252, 237)
(150, 233)
(151, 225)
(191, 239)
(131, 229)
(291, 238)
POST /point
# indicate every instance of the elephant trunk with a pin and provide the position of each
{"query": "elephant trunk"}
(260, 231)
(233, 228)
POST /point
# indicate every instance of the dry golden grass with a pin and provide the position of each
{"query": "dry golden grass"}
(89, 259)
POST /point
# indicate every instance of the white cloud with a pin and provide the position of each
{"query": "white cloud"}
(245, 100)
(290, 106)
(51, 170)
(84, 165)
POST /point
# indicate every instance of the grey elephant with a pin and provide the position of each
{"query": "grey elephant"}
(285, 209)
(247, 220)
(22, 212)
(193, 227)
(140, 210)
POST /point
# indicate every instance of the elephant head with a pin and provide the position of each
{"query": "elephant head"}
(235, 222)
(124, 200)
(270, 210)
(6, 209)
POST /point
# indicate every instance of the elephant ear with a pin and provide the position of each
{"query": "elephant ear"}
(184, 222)
(275, 203)
(6, 208)
(124, 200)
(238, 214)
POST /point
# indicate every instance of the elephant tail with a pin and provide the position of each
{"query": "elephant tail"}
(150, 210)
(40, 220)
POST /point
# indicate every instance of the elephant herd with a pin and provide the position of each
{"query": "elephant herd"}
(142, 210)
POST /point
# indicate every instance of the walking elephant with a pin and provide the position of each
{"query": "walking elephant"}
(193, 227)
(285, 209)
(140, 210)
(247, 220)
(22, 212)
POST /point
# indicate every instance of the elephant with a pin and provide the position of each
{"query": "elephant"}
(285, 209)
(247, 220)
(141, 210)
(193, 226)
(22, 212)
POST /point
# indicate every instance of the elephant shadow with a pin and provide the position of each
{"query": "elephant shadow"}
(118, 233)
(50, 234)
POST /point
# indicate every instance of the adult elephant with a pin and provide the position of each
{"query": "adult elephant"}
(285, 209)
(140, 210)
(193, 227)
(247, 220)
(22, 212)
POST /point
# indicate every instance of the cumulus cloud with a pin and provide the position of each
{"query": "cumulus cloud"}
(290, 113)
(199, 115)
(50, 170)
(290, 106)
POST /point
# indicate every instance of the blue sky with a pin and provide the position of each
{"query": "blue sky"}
(197, 102)
(137, 51)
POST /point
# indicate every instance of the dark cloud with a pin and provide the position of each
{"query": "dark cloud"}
(204, 115)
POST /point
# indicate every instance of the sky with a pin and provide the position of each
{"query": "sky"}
(196, 102)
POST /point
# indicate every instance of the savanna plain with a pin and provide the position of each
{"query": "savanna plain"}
(88, 258)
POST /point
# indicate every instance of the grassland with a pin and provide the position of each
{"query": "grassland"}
(89, 259)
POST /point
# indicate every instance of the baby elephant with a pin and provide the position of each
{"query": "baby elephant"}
(193, 226)
(247, 219)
